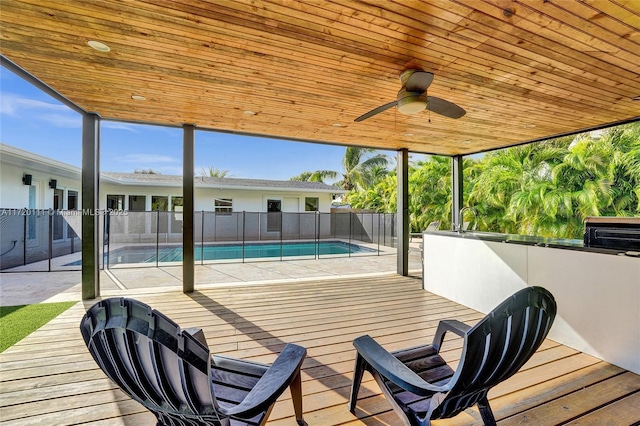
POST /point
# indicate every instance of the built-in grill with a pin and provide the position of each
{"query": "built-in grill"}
(622, 233)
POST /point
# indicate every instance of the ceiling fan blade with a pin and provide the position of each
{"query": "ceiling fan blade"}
(376, 111)
(419, 81)
(443, 107)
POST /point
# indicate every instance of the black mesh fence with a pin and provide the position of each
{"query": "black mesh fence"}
(39, 240)
(48, 240)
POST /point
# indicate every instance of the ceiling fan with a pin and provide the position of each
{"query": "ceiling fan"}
(412, 98)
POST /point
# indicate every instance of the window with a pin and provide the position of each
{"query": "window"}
(311, 204)
(177, 202)
(159, 202)
(31, 219)
(137, 203)
(72, 200)
(58, 221)
(177, 206)
(274, 215)
(223, 205)
(72, 204)
(115, 202)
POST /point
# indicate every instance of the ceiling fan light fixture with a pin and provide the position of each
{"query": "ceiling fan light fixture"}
(411, 102)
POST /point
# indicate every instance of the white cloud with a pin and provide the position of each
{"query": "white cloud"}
(15, 105)
(120, 126)
(53, 114)
(73, 121)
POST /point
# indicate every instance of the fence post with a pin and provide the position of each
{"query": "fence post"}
(378, 236)
(50, 245)
(202, 239)
(281, 220)
(244, 228)
(350, 224)
(107, 232)
(24, 238)
(158, 236)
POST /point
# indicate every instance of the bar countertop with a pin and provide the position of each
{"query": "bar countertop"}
(560, 243)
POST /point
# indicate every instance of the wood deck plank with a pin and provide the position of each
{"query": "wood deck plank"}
(50, 378)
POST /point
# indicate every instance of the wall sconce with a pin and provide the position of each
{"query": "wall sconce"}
(26, 179)
(53, 184)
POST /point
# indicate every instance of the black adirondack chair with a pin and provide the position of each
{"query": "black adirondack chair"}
(421, 387)
(170, 372)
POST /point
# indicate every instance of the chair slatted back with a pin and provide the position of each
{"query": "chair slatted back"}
(498, 346)
(152, 360)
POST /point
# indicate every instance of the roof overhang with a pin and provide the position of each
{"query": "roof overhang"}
(30, 161)
(304, 70)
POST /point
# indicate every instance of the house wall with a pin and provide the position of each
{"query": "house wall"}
(15, 195)
(243, 200)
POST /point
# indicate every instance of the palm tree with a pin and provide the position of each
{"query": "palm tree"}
(317, 176)
(513, 189)
(214, 172)
(626, 170)
(360, 170)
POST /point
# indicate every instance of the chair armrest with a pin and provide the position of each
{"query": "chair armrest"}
(393, 369)
(454, 326)
(196, 333)
(271, 385)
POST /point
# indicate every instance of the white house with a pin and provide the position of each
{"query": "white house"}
(29, 180)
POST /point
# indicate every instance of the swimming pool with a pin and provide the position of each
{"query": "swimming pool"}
(147, 254)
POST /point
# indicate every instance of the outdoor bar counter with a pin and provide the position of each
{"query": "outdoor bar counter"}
(597, 289)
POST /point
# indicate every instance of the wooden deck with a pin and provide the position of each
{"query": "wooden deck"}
(49, 378)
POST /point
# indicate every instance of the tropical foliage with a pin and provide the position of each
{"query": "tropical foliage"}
(214, 172)
(545, 189)
(146, 172)
(317, 176)
(362, 168)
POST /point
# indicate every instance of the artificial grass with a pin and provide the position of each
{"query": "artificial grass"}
(17, 322)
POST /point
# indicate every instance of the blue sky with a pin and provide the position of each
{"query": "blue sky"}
(33, 121)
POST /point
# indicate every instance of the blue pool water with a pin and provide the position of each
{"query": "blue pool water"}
(147, 254)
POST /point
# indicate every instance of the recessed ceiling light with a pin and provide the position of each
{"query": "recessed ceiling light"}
(247, 112)
(408, 134)
(99, 46)
(138, 98)
(337, 125)
(529, 126)
(466, 142)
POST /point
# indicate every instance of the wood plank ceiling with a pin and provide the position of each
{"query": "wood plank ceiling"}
(522, 70)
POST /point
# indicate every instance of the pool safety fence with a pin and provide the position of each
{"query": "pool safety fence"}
(48, 240)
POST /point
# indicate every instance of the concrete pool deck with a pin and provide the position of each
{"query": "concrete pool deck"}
(20, 288)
